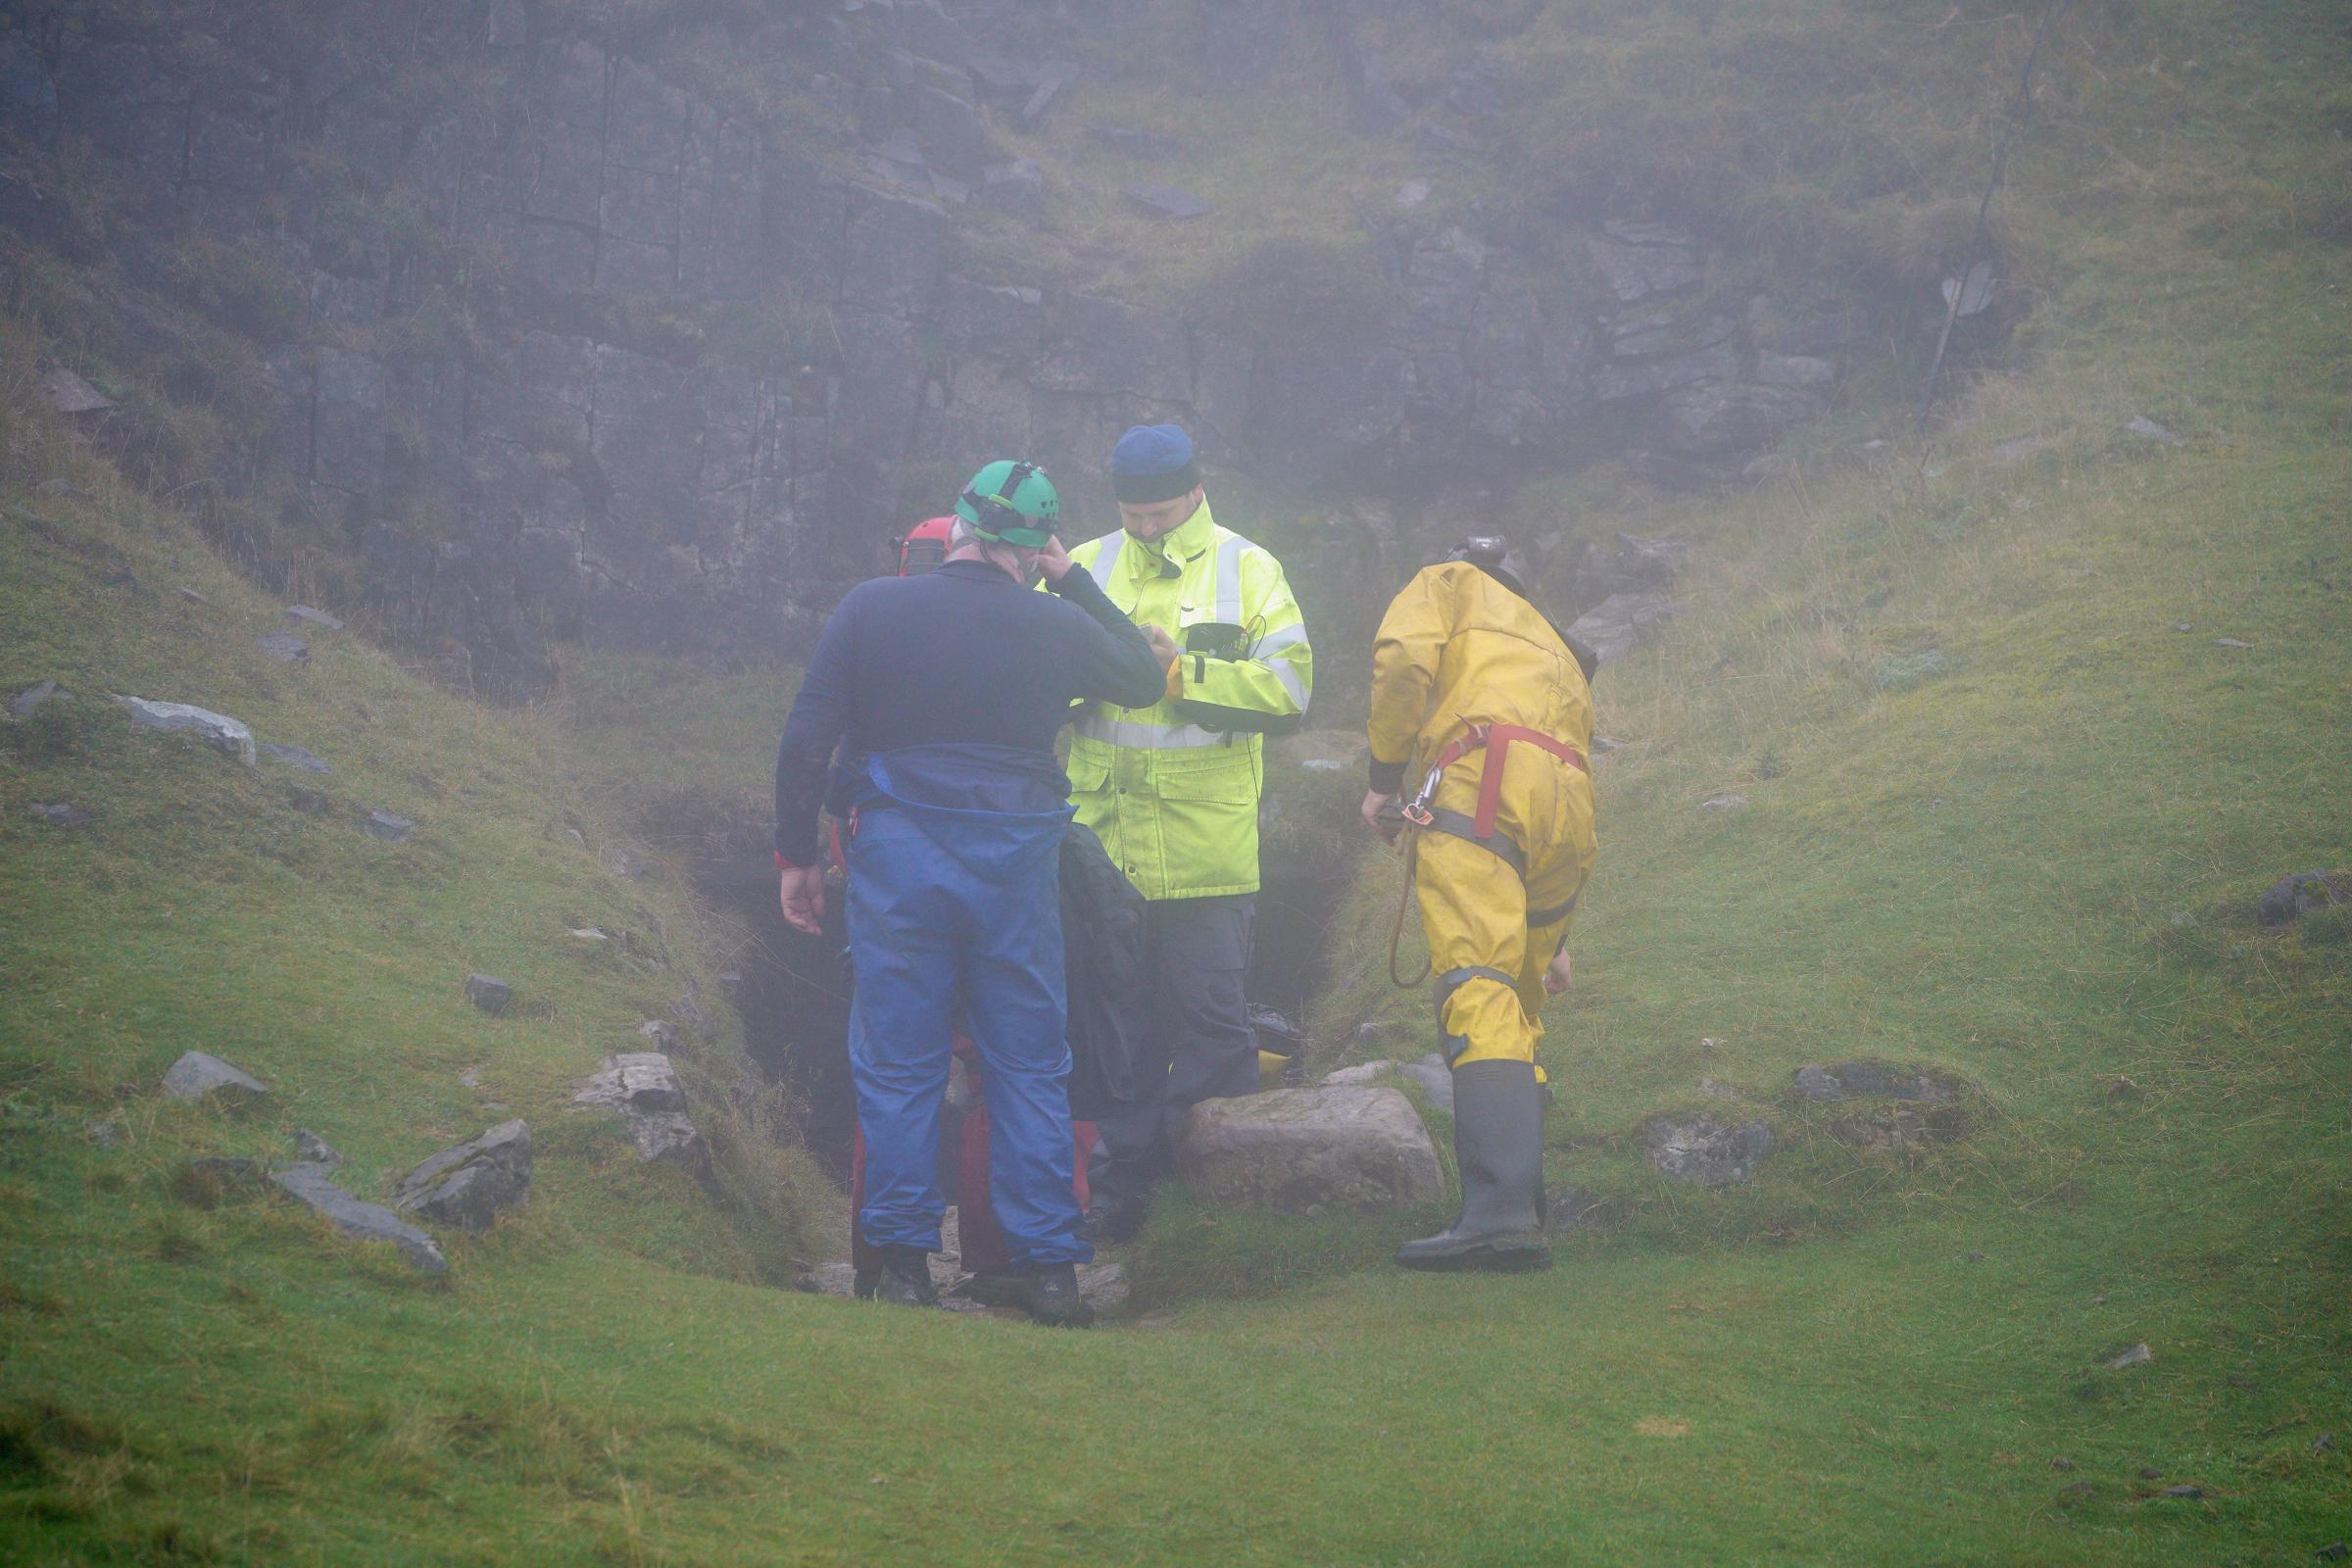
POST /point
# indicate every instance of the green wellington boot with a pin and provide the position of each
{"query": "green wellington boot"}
(1499, 1144)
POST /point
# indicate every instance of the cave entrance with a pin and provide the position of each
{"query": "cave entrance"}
(792, 992)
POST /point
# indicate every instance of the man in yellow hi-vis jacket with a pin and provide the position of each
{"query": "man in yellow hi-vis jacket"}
(1489, 699)
(1172, 789)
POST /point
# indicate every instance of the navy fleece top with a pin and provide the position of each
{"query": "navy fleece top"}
(962, 656)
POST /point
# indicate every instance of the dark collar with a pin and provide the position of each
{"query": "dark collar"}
(975, 571)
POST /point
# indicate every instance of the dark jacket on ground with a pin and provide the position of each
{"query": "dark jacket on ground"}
(962, 656)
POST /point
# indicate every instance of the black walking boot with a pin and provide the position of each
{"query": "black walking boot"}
(1499, 1144)
(906, 1278)
(1048, 1294)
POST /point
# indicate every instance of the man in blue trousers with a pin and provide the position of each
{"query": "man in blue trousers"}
(943, 693)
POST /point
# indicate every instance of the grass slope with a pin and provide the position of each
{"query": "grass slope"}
(1976, 862)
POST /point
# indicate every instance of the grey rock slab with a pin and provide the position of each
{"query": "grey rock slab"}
(1635, 272)
(670, 1136)
(284, 647)
(1613, 627)
(1156, 199)
(68, 393)
(1433, 1076)
(195, 1075)
(2231, 642)
(312, 618)
(217, 730)
(1016, 187)
(660, 1035)
(640, 1081)
(2138, 1355)
(56, 813)
(193, 596)
(1876, 1080)
(1704, 1152)
(470, 1184)
(361, 1220)
(1887, 1129)
(1723, 802)
(26, 702)
(1305, 1151)
(311, 1149)
(1102, 1286)
(1366, 1073)
(2148, 429)
(294, 757)
(2290, 897)
(490, 994)
(387, 826)
(1049, 93)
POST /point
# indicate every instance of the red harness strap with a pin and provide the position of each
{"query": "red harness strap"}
(1495, 740)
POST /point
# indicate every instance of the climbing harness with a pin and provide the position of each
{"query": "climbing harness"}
(1421, 816)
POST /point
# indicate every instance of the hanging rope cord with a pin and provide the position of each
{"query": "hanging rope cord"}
(2013, 125)
(1405, 900)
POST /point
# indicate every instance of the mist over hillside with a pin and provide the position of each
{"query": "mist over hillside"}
(505, 324)
(431, 434)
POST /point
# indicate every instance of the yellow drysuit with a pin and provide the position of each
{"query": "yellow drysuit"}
(1458, 649)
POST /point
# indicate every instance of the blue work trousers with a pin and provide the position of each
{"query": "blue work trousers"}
(928, 937)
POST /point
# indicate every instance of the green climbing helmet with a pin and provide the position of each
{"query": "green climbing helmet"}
(1011, 503)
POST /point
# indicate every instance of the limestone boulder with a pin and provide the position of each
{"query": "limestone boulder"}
(643, 1087)
(1305, 1151)
(1704, 1152)
(360, 1219)
(198, 1076)
(217, 730)
(470, 1184)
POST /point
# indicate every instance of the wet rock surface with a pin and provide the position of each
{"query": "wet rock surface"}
(221, 733)
(1704, 1152)
(2290, 897)
(643, 1087)
(470, 1184)
(360, 1219)
(609, 456)
(489, 992)
(198, 1076)
(1305, 1151)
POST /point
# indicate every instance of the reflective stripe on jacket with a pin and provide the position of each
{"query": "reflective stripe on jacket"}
(1175, 804)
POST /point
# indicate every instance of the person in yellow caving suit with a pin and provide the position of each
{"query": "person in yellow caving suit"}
(1489, 701)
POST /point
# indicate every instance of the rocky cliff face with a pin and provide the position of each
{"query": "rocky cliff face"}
(553, 328)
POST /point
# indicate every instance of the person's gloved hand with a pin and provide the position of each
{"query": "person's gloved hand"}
(1557, 973)
(1387, 827)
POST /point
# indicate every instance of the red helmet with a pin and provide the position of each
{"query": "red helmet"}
(925, 546)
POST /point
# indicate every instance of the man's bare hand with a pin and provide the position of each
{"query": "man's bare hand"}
(1163, 647)
(1387, 827)
(1557, 973)
(1052, 560)
(804, 899)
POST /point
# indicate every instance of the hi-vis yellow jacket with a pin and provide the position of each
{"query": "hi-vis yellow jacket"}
(1175, 802)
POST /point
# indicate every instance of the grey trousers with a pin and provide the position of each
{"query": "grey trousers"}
(1202, 1047)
